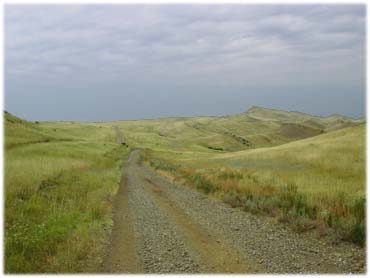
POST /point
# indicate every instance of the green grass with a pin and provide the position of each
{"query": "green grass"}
(317, 182)
(60, 177)
(58, 195)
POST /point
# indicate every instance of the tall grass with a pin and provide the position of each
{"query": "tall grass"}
(58, 197)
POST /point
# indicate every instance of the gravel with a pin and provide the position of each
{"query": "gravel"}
(160, 245)
(163, 246)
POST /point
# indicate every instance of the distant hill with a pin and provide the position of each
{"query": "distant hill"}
(326, 123)
(257, 127)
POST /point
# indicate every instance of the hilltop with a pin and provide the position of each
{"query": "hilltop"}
(329, 123)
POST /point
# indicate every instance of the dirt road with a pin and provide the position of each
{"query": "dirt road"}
(120, 138)
(161, 227)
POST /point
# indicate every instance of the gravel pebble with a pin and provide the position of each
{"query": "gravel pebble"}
(277, 248)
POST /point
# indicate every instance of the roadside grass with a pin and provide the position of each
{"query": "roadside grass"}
(58, 196)
(316, 183)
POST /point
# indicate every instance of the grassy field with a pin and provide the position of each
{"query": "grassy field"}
(317, 182)
(60, 179)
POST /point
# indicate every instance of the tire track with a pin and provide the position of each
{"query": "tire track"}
(122, 256)
(216, 255)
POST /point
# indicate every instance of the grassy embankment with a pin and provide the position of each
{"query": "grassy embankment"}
(60, 179)
(260, 161)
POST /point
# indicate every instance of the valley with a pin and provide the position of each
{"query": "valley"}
(243, 187)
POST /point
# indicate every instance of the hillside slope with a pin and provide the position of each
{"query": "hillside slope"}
(18, 131)
(258, 127)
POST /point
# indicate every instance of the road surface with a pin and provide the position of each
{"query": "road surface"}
(161, 227)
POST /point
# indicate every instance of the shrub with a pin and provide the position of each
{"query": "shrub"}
(299, 205)
(358, 233)
(232, 198)
(312, 211)
(358, 229)
(358, 209)
(250, 205)
(202, 183)
(161, 165)
(303, 224)
(269, 205)
(288, 197)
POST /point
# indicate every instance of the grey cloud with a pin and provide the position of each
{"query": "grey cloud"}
(154, 48)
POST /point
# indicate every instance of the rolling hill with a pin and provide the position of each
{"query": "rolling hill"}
(60, 177)
(257, 127)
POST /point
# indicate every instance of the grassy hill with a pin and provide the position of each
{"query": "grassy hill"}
(258, 127)
(60, 177)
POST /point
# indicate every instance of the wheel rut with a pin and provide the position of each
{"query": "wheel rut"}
(216, 255)
(122, 256)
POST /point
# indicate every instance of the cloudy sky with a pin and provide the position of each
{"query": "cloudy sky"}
(101, 63)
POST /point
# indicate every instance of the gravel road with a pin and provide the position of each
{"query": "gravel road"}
(161, 227)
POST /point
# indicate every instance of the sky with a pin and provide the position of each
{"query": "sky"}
(123, 62)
